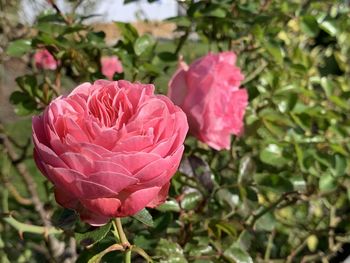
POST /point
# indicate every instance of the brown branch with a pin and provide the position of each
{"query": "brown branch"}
(19, 198)
(58, 11)
(55, 247)
(23, 172)
(288, 197)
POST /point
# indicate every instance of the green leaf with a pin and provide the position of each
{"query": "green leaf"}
(309, 25)
(128, 32)
(19, 47)
(273, 182)
(246, 169)
(216, 12)
(340, 165)
(50, 17)
(275, 50)
(327, 182)
(169, 206)
(143, 43)
(170, 252)
(167, 56)
(340, 102)
(27, 83)
(227, 227)
(223, 195)
(144, 217)
(24, 103)
(97, 38)
(18, 97)
(266, 223)
(65, 219)
(92, 237)
(151, 69)
(51, 29)
(191, 200)
(181, 21)
(273, 155)
(330, 27)
(235, 254)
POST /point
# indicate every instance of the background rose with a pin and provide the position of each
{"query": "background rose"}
(208, 92)
(110, 66)
(44, 60)
(109, 148)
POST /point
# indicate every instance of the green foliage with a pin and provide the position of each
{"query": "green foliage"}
(94, 236)
(144, 217)
(281, 194)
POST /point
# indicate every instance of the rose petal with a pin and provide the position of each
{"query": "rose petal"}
(107, 207)
(137, 201)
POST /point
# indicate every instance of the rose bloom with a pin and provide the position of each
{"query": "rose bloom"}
(109, 148)
(44, 60)
(110, 66)
(208, 92)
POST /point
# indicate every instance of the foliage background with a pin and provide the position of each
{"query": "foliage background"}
(281, 194)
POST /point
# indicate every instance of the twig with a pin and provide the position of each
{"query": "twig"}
(255, 73)
(19, 198)
(288, 196)
(58, 11)
(58, 81)
(296, 251)
(269, 245)
(76, 5)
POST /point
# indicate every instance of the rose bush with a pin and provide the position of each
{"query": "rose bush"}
(109, 148)
(44, 60)
(110, 66)
(208, 92)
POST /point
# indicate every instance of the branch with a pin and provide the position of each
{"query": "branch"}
(255, 73)
(55, 247)
(288, 197)
(19, 198)
(22, 227)
(58, 11)
(28, 179)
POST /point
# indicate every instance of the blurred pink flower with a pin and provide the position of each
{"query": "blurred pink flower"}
(44, 60)
(208, 92)
(109, 148)
(110, 66)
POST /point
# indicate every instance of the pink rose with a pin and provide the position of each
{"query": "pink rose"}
(208, 92)
(44, 60)
(109, 148)
(111, 65)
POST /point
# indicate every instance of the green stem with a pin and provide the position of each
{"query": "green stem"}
(5, 201)
(21, 227)
(127, 258)
(123, 240)
(115, 231)
(142, 253)
(121, 233)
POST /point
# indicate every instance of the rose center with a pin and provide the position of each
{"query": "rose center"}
(107, 108)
